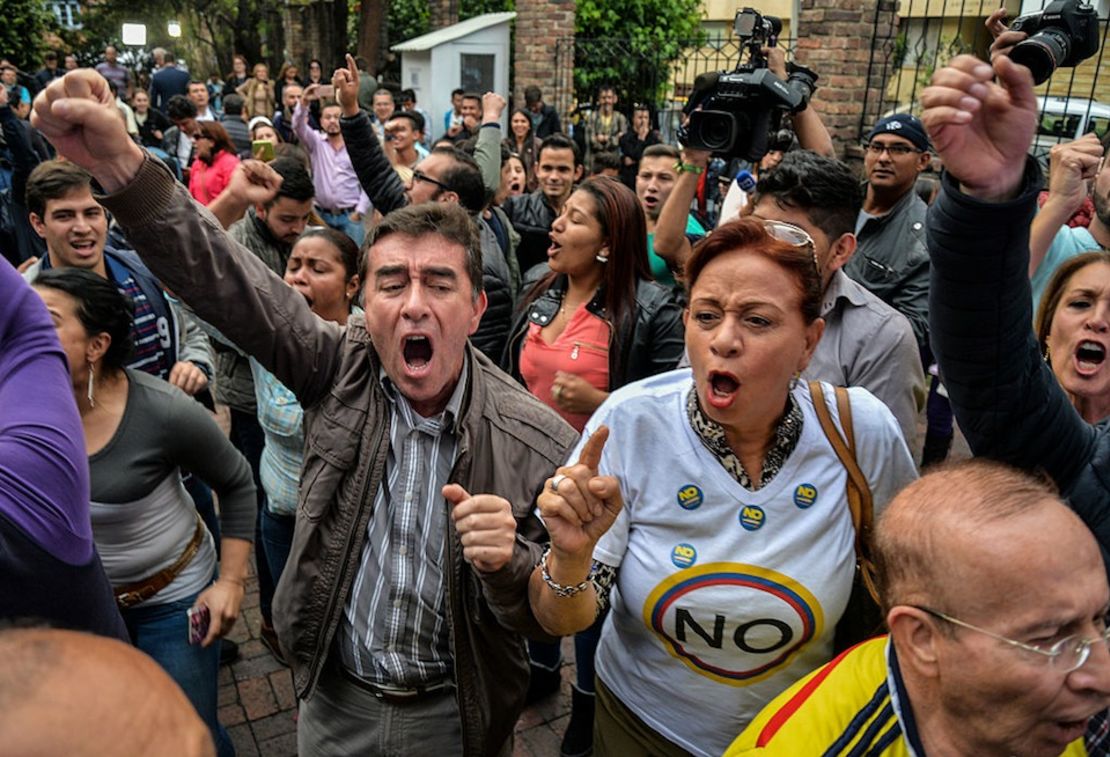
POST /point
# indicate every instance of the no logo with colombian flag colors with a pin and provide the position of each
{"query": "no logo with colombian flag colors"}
(705, 614)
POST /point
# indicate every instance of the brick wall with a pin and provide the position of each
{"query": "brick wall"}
(443, 13)
(834, 39)
(540, 25)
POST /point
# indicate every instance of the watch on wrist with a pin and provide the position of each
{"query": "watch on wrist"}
(682, 167)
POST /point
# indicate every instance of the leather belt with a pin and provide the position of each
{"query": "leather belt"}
(337, 211)
(140, 591)
(393, 695)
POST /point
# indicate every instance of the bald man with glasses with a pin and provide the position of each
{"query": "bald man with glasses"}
(996, 599)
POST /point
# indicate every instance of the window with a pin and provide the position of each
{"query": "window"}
(68, 13)
(1099, 125)
(476, 72)
(1058, 125)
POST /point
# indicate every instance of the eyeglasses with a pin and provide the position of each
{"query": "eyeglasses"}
(1066, 655)
(795, 236)
(421, 176)
(895, 150)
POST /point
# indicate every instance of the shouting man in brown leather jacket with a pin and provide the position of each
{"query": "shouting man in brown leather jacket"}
(403, 606)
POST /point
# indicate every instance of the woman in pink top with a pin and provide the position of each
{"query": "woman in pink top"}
(215, 162)
(591, 323)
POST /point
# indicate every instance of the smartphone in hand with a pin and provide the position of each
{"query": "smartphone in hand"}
(199, 620)
(262, 149)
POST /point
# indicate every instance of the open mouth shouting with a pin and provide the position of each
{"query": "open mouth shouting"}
(555, 247)
(84, 247)
(721, 389)
(417, 351)
(1089, 357)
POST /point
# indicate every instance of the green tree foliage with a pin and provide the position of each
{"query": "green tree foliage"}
(24, 25)
(633, 45)
(212, 31)
(408, 19)
(472, 8)
(411, 18)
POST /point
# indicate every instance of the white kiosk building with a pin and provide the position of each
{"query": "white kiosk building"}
(472, 54)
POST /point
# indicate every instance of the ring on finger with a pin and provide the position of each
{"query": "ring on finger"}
(556, 391)
(556, 480)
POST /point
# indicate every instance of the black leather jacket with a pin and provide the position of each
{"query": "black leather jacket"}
(531, 216)
(648, 341)
(1009, 404)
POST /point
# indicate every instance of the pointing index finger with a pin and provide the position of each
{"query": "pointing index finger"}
(352, 67)
(591, 451)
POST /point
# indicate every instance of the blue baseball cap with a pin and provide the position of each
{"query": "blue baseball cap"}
(903, 125)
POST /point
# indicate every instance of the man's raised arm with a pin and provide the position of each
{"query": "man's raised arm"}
(183, 244)
(1008, 402)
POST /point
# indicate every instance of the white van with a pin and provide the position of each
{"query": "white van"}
(1063, 119)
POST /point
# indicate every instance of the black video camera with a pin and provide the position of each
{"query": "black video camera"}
(733, 113)
(1064, 33)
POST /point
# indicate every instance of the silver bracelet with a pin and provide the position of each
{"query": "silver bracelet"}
(559, 589)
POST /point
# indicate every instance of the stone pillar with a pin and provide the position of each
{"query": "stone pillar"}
(847, 43)
(443, 13)
(544, 51)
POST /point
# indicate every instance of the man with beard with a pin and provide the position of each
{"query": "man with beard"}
(558, 167)
(891, 258)
(340, 200)
(1051, 240)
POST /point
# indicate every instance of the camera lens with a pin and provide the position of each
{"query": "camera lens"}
(714, 130)
(1042, 53)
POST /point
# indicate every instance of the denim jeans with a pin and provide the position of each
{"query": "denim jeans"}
(549, 656)
(162, 631)
(277, 538)
(248, 438)
(342, 222)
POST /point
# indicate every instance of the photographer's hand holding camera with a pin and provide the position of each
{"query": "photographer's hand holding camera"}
(808, 126)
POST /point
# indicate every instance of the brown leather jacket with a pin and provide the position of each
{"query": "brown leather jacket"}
(509, 443)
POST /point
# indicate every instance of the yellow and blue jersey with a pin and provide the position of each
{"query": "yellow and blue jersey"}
(856, 704)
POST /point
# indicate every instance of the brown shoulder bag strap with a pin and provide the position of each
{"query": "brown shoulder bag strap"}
(858, 490)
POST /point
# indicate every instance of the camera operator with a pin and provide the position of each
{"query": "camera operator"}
(671, 241)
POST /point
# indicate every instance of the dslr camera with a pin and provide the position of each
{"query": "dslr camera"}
(1064, 33)
(734, 113)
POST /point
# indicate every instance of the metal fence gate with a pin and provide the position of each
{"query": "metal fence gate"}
(906, 48)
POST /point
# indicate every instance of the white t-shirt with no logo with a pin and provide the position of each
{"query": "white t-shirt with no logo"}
(726, 597)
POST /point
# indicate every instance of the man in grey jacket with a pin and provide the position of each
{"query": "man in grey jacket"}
(405, 599)
(892, 260)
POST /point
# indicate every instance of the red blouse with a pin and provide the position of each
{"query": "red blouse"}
(582, 349)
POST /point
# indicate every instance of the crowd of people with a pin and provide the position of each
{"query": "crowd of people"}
(488, 382)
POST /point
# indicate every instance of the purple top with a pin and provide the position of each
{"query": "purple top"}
(44, 472)
(332, 173)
